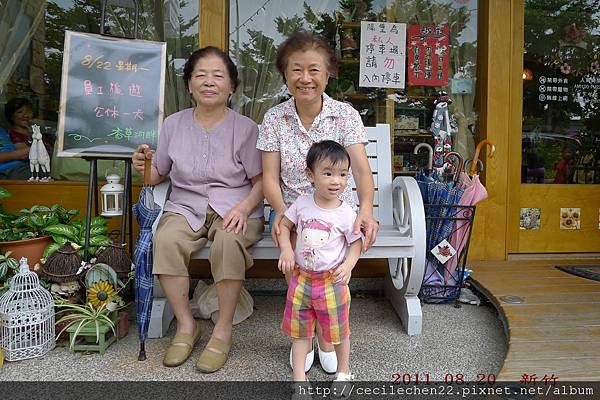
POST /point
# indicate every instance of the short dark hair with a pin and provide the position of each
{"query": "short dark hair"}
(13, 105)
(326, 150)
(303, 41)
(190, 64)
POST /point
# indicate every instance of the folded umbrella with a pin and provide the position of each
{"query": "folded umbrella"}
(424, 179)
(146, 211)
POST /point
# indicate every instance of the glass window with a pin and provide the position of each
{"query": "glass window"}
(257, 28)
(31, 50)
(561, 84)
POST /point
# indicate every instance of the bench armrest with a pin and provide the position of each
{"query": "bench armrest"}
(409, 219)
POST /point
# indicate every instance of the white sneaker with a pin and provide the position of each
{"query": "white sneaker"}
(327, 359)
(308, 363)
(342, 385)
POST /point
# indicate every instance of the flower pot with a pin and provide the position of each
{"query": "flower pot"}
(33, 249)
(123, 324)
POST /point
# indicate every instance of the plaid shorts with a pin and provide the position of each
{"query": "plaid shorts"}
(315, 297)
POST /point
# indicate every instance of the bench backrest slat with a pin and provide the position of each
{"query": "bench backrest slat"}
(379, 154)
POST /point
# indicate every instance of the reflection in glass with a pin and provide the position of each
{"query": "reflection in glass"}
(561, 83)
(31, 56)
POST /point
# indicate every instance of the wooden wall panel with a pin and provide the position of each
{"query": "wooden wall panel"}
(550, 238)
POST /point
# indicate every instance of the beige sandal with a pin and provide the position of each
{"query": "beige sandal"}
(214, 355)
(181, 347)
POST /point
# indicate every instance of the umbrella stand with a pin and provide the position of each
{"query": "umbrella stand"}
(440, 283)
(146, 212)
(444, 215)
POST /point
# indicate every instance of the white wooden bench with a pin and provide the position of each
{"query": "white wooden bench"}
(401, 238)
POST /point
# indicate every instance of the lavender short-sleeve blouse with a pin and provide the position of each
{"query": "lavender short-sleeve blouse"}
(208, 166)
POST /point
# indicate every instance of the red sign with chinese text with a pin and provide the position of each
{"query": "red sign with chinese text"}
(428, 48)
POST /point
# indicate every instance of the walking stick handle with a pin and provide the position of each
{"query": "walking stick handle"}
(147, 168)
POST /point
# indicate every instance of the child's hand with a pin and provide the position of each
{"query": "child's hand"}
(343, 273)
(286, 261)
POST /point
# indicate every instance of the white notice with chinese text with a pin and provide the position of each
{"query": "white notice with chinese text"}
(382, 54)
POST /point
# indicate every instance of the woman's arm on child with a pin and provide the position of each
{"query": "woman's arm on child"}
(344, 271)
(286, 256)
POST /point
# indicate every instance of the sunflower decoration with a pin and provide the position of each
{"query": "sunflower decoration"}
(100, 294)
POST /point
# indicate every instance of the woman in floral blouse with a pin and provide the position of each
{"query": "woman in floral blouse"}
(289, 129)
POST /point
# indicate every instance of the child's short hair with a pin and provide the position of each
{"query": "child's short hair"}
(326, 150)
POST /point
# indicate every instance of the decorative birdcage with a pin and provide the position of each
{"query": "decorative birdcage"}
(26, 317)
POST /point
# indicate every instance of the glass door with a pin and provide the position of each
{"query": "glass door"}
(559, 194)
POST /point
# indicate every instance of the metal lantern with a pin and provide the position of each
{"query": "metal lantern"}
(26, 317)
(112, 196)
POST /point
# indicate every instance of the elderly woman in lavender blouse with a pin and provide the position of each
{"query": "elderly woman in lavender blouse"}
(209, 153)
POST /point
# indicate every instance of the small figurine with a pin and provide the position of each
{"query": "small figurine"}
(441, 128)
(38, 157)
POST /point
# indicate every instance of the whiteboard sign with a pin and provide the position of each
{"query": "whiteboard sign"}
(382, 54)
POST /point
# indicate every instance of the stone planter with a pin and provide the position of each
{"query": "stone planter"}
(33, 249)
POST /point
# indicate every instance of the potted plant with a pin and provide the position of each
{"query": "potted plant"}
(92, 326)
(74, 232)
(23, 233)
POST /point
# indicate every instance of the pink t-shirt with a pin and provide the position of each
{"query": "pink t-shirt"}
(208, 166)
(323, 234)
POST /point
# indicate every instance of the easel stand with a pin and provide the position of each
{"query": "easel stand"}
(126, 206)
(93, 180)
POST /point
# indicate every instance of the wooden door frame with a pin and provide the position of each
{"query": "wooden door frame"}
(499, 93)
(214, 23)
(516, 125)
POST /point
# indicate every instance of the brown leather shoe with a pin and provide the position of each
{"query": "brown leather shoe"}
(181, 347)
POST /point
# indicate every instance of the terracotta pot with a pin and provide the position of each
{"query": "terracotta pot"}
(123, 324)
(33, 249)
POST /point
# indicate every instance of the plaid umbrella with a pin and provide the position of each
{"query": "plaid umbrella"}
(146, 211)
(441, 195)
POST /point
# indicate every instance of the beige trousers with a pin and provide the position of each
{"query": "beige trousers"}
(175, 241)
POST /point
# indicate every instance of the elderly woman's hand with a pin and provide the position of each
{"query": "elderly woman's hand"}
(235, 220)
(139, 156)
(369, 226)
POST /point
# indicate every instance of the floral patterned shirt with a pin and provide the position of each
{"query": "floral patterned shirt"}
(282, 131)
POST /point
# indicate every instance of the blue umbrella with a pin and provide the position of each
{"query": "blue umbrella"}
(146, 211)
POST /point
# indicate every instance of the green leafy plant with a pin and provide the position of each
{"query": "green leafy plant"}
(55, 221)
(8, 268)
(74, 233)
(83, 316)
(94, 314)
(31, 222)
